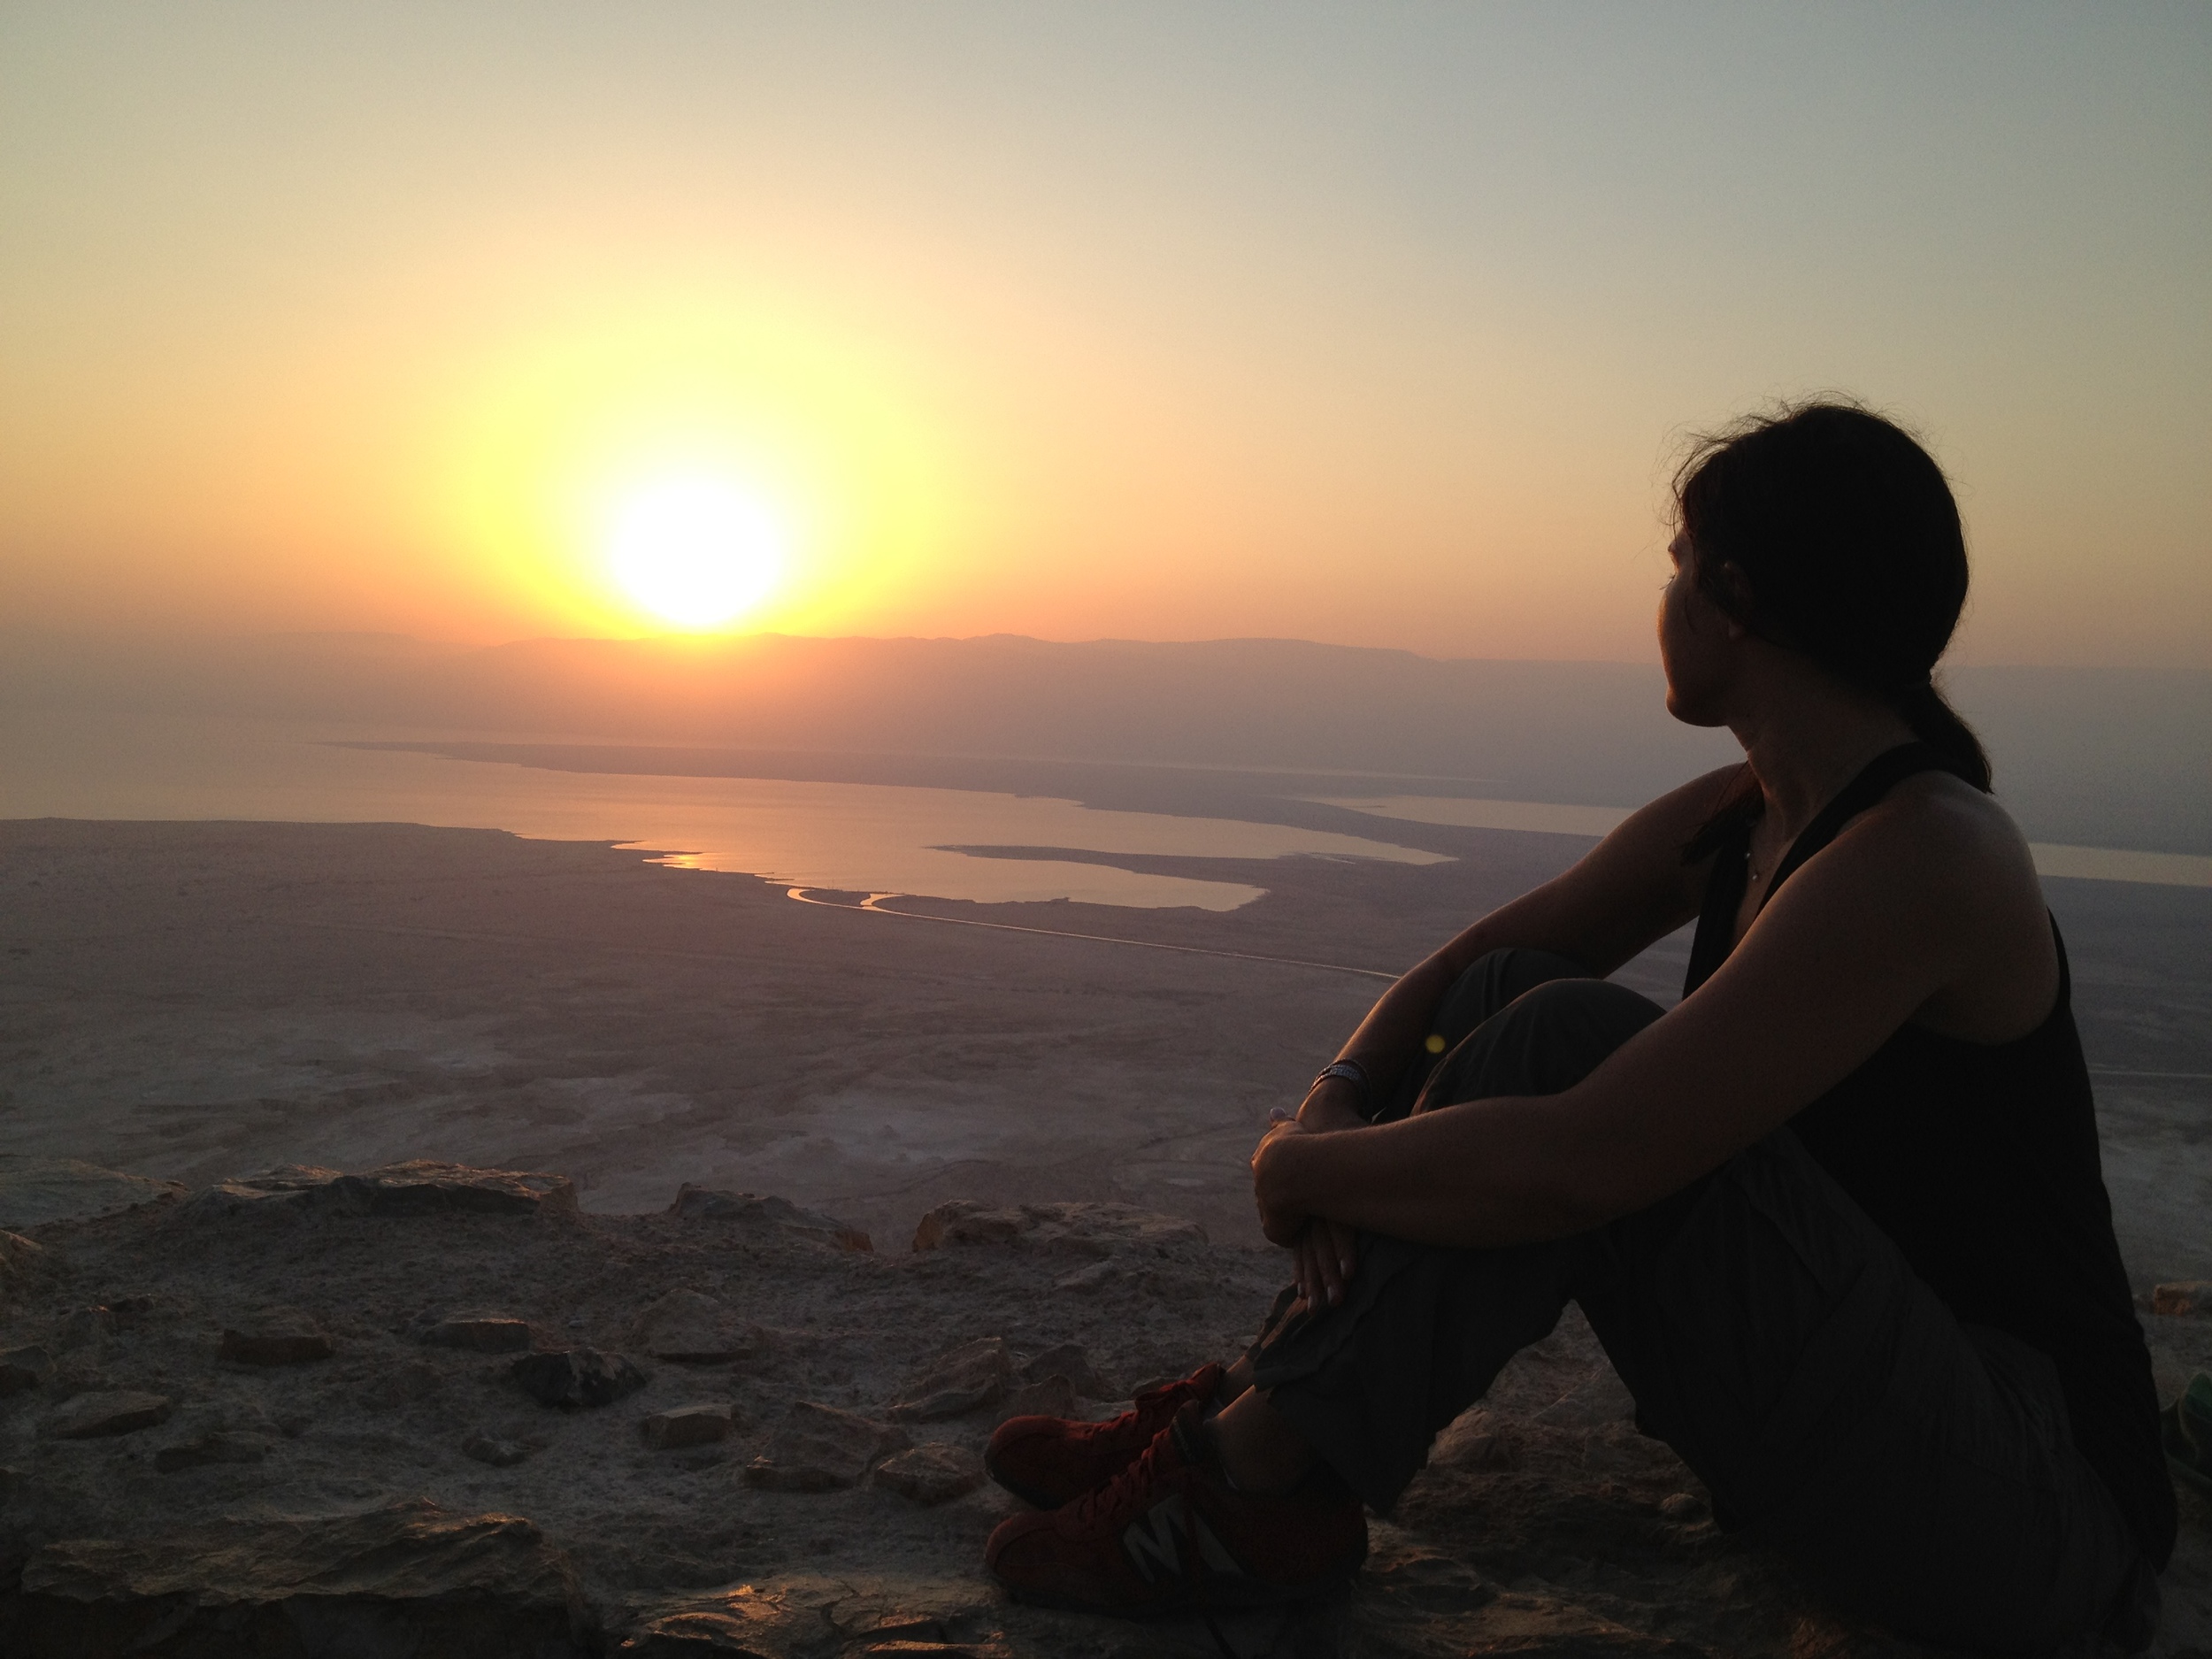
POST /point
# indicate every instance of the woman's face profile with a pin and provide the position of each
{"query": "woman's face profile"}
(1692, 635)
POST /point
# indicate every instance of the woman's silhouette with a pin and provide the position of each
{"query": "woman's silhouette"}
(1836, 1216)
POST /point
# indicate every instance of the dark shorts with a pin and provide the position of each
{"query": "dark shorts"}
(1922, 1472)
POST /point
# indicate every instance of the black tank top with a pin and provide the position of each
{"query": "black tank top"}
(1980, 1161)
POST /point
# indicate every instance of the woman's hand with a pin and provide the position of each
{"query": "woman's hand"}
(1324, 1253)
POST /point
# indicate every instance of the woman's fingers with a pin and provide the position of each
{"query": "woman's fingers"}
(1343, 1243)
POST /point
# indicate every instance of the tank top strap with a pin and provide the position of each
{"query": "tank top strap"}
(1731, 872)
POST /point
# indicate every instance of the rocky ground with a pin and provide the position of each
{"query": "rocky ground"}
(428, 1411)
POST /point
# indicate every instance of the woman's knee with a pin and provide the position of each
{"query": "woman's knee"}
(1497, 979)
(1549, 1039)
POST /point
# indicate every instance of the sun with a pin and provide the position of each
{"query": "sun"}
(695, 552)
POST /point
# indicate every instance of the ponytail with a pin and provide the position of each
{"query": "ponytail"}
(1937, 723)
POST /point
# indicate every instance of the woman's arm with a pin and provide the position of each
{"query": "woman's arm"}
(1629, 890)
(1897, 916)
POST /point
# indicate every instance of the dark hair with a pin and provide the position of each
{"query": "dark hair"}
(1846, 547)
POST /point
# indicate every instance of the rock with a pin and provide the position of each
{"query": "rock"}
(933, 1474)
(1434, 1583)
(88, 1416)
(2188, 1297)
(1684, 1508)
(1071, 1361)
(34, 1191)
(1054, 1397)
(577, 1377)
(83, 1328)
(488, 1449)
(406, 1579)
(741, 1624)
(282, 1336)
(419, 1187)
(212, 1448)
(819, 1449)
(700, 1425)
(478, 1333)
(22, 1368)
(1078, 1229)
(701, 1204)
(691, 1328)
(967, 1379)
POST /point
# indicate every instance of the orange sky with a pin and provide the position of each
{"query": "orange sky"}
(1170, 323)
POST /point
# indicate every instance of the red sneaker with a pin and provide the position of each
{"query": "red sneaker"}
(1170, 1534)
(1051, 1460)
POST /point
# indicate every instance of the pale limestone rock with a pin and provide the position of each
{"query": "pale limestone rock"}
(966, 1379)
(489, 1449)
(692, 1328)
(819, 1449)
(704, 1203)
(1071, 1361)
(932, 1473)
(119, 1411)
(700, 1425)
(2187, 1297)
(281, 1336)
(1075, 1229)
(406, 1579)
(421, 1187)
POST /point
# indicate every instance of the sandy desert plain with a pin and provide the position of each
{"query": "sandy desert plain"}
(182, 1005)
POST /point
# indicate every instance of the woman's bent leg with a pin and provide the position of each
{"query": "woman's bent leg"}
(1922, 1471)
(1771, 1334)
(1422, 1330)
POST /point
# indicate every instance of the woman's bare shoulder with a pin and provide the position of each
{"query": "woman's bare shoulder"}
(1957, 832)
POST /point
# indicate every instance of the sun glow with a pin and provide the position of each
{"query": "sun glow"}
(686, 462)
(697, 552)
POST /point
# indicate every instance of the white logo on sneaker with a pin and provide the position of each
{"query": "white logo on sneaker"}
(1153, 1540)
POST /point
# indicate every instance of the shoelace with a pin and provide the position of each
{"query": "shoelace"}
(1130, 1484)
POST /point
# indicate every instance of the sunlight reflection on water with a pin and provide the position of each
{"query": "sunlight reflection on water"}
(863, 837)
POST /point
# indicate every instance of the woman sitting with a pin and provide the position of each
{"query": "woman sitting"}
(1836, 1216)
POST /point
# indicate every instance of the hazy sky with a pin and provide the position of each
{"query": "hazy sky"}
(1376, 324)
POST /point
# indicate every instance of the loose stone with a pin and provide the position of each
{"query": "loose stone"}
(283, 1338)
(479, 1334)
(2189, 1296)
(121, 1411)
(488, 1449)
(931, 1474)
(819, 1449)
(691, 1328)
(965, 1380)
(22, 1368)
(685, 1425)
(577, 1377)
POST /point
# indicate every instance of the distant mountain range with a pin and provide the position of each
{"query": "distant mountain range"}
(2095, 756)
